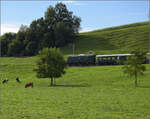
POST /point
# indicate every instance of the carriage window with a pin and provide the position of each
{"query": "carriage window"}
(124, 57)
(104, 58)
(100, 58)
(113, 58)
(109, 58)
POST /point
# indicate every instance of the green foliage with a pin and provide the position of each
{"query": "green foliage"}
(84, 92)
(50, 64)
(14, 48)
(34, 37)
(5, 40)
(62, 24)
(63, 34)
(56, 29)
(134, 65)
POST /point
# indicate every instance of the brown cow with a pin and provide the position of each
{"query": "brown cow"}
(29, 84)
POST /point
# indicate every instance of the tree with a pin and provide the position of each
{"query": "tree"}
(18, 44)
(14, 48)
(134, 65)
(57, 28)
(50, 64)
(5, 40)
(34, 35)
(61, 24)
(63, 34)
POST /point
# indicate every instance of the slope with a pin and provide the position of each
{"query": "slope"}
(121, 39)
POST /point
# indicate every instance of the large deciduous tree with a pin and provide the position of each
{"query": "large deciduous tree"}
(61, 24)
(56, 29)
(134, 65)
(50, 64)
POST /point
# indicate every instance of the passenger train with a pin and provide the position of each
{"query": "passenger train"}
(112, 59)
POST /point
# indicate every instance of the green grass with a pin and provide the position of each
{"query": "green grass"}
(121, 39)
(100, 92)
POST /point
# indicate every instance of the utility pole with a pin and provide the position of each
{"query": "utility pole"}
(73, 48)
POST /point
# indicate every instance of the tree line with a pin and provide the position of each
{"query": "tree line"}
(57, 28)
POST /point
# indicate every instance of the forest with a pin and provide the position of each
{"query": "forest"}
(57, 28)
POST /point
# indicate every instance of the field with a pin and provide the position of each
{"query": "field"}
(120, 39)
(96, 92)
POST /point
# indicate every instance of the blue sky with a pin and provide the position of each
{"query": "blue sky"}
(94, 14)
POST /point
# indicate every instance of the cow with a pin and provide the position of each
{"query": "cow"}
(17, 79)
(29, 84)
(5, 80)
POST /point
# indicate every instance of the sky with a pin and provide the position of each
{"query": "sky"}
(94, 14)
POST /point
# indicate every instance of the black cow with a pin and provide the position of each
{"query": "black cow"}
(17, 79)
(5, 80)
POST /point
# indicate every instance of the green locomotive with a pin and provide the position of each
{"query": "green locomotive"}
(81, 60)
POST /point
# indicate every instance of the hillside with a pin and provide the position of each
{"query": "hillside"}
(119, 39)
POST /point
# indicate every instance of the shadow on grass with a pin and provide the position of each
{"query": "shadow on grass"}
(65, 85)
(143, 86)
(71, 85)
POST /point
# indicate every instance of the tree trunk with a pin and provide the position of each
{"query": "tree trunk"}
(52, 82)
(135, 79)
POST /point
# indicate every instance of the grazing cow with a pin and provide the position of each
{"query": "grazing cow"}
(29, 84)
(17, 79)
(5, 80)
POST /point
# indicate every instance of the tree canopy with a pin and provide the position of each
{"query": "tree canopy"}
(50, 64)
(134, 65)
(56, 28)
(5, 40)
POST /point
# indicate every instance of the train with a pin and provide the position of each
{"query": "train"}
(91, 59)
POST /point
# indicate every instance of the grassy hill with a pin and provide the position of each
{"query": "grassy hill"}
(119, 39)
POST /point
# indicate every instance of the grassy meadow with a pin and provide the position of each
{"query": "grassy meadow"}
(95, 92)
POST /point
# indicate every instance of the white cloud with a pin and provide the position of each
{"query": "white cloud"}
(74, 2)
(67, 1)
(86, 29)
(10, 27)
(79, 3)
(14, 27)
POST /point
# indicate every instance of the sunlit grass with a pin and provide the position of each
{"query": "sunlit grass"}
(100, 92)
(121, 39)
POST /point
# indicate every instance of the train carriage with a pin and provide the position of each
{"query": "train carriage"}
(73, 60)
(112, 59)
(91, 59)
(81, 60)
